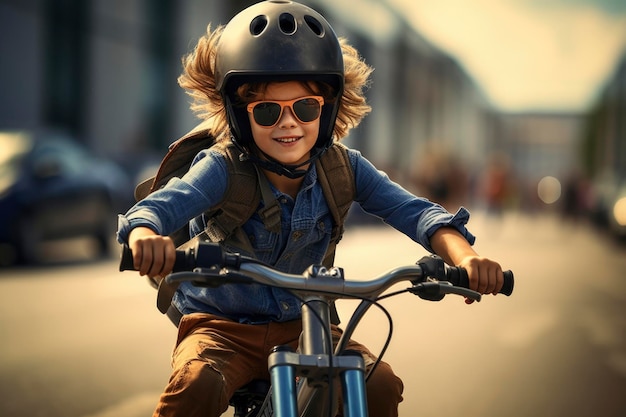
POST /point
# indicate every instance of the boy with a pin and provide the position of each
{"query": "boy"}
(280, 89)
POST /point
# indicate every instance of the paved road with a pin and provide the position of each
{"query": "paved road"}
(82, 340)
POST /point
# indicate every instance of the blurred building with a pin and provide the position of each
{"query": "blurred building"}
(604, 151)
(605, 129)
(106, 70)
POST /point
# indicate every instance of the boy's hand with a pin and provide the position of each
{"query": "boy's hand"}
(485, 276)
(153, 254)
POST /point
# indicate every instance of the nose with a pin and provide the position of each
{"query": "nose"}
(287, 119)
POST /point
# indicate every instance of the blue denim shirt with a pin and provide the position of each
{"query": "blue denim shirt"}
(306, 224)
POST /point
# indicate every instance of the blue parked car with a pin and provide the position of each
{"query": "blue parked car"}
(51, 188)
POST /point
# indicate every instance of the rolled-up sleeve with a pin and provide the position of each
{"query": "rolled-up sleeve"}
(127, 222)
(433, 220)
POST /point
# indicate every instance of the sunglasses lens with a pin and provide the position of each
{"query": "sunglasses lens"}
(266, 114)
(307, 109)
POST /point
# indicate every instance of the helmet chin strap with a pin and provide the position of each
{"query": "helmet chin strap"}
(271, 164)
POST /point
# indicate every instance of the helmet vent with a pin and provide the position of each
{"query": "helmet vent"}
(258, 25)
(314, 25)
(287, 23)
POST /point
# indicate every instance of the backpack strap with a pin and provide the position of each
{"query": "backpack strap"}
(270, 213)
(335, 174)
(241, 199)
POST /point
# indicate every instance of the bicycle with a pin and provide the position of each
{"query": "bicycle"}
(303, 383)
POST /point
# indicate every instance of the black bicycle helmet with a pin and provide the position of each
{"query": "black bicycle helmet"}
(278, 40)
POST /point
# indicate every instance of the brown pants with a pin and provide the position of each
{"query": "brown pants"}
(214, 357)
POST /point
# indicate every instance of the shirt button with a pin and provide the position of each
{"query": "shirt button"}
(296, 235)
(284, 305)
(283, 200)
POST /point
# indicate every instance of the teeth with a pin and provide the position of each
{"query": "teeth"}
(287, 140)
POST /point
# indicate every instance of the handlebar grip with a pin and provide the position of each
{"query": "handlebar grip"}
(126, 259)
(184, 260)
(458, 277)
(509, 283)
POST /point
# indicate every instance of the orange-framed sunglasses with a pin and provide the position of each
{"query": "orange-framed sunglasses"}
(267, 113)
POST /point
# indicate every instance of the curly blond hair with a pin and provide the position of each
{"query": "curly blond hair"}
(198, 79)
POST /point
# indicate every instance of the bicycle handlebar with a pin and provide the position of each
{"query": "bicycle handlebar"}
(207, 264)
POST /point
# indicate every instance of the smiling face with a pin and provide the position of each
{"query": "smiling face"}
(289, 141)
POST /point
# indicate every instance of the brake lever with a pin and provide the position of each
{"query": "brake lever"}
(464, 292)
(433, 290)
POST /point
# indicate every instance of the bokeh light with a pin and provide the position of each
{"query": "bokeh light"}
(549, 190)
(619, 211)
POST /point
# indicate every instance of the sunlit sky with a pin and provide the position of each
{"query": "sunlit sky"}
(528, 54)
